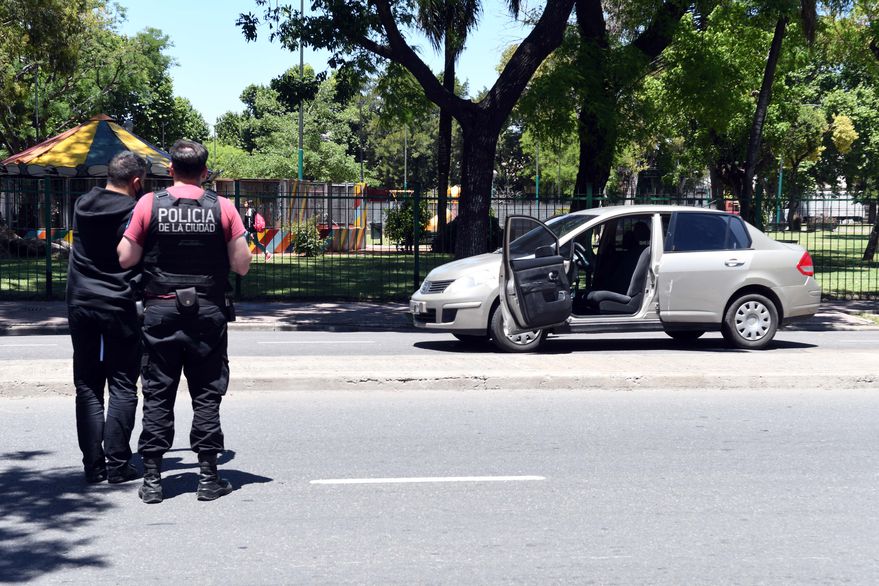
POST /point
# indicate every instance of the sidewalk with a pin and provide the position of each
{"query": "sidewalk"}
(27, 318)
(693, 368)
(50, 317)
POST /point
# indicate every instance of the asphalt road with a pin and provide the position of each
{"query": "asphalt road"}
(424, 343)
(641, 487)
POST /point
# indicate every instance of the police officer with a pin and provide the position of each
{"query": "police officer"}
(189, 239)
(103, 323)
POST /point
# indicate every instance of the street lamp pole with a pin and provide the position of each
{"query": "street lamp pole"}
(360, 111)
(405, 158)
(537, 178)
(778, 196)
(301, 75)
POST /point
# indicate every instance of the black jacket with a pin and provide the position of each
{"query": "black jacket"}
(94, 277)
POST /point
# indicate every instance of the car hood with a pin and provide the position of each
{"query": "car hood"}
(460, 268)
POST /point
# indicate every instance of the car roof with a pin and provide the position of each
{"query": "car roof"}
(643, 209)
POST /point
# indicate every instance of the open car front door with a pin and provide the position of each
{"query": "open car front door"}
(535, 291)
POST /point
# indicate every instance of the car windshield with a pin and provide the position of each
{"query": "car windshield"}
(560, 226)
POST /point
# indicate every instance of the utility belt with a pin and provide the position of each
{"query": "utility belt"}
(188, 301)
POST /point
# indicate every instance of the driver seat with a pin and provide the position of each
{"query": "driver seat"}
(603, 301)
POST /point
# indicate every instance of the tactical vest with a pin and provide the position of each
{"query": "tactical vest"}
(186, 247)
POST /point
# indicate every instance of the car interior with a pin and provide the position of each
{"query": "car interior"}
(610, 267)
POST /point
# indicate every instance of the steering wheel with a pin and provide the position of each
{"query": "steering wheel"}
(580, 256)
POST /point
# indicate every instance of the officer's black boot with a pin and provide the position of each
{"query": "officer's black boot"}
(151, 491)
(210, 485)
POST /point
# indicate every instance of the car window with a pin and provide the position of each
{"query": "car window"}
(738, 234)
(694, 232)
(560, 226)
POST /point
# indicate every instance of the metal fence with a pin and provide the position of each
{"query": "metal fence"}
(354, 252)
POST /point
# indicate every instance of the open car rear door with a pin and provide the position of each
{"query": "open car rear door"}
(535, 292)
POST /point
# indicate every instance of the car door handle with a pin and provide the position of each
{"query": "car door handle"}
(553, 276)
(734, 262)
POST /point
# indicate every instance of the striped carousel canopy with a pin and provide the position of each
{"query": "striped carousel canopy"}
(85, 151)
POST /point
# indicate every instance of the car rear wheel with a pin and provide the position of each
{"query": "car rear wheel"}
(750, 322)
(503, 339)
(685, 335)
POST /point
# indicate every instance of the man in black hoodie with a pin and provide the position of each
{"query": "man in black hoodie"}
(103, 323)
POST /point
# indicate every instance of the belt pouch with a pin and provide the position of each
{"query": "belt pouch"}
(187, 301)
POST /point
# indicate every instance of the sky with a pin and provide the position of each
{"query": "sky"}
(215, 63)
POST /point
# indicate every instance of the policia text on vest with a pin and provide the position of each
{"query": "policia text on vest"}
(186, 220)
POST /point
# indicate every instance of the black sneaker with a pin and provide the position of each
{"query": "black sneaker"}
(95, 476)
(211, 491)
(124, 474)
(151, 495)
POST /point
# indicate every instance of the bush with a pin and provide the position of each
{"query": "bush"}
(306, 238)
(398, 222)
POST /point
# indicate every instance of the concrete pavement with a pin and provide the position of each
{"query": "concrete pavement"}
(701, 365)
(29, 318)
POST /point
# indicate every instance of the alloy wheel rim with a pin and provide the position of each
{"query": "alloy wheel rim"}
(521, 338)
(753, 320)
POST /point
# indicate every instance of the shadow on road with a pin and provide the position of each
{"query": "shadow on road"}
(568, 345)
(42, 511)
(185, 480)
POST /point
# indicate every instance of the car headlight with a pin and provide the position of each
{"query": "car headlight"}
(473, 280)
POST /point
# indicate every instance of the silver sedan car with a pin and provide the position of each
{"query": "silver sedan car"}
(634, 268)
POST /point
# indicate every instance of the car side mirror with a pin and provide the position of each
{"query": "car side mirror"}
(544, 251)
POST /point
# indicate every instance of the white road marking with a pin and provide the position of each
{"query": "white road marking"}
(423, 479)
(25, 345)
(316, 342)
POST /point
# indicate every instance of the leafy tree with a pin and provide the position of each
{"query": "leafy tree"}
(44, 84)
(62, 62)
(610, 60)
(801, 142)
(446, 24)
(784, 10)
(356, 32)
(266, 133)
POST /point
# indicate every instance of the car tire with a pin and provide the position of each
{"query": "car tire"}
(750, 322)
(523, 342)
(685, 336)
(472, 339)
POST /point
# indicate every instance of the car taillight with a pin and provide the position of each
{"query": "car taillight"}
(805, 265)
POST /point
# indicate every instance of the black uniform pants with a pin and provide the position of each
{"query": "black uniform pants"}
(106, 350)
(194, 345)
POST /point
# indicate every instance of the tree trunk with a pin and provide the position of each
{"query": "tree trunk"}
(756, 135)
(444, 147)
(794, 211)
(716, 195)
(479, 147)
(597, 125)
(596, 122)
(597, 135)
(872, 241)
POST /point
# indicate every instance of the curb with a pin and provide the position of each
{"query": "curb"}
(63, 329)
(54, 377)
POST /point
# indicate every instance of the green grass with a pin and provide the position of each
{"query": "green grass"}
(388, 275)
(837, 256)
(376, 276)
(382, 276)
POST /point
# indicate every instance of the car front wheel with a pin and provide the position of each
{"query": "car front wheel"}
(521, 342)
(750, 322)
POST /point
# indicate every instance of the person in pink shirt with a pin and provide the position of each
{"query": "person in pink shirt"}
(188, 239)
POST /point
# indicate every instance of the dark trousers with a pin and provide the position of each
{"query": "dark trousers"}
(104, 437)
(194, 345)
(254, 238)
